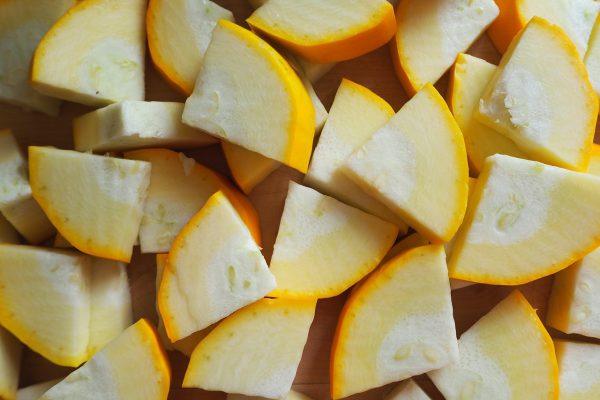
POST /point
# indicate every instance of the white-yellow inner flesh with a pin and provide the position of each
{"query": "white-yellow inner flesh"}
(545, 111)
(184, 30)
(217, 270)
(105, 64)
(576, 17)
(107, 226)
(270, 333)
(324, 246)
(399, 325)
(432, 33)
(579, 370)
(312, 22)
(353, 118)
(503, 356)
(111, 311)
(125, 369)
(23, 23)
(45, 300)
(134, 124)
(240, 98)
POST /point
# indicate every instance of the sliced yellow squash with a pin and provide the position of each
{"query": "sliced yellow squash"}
(325, 246)
(214, 268)
(95, 202)
(355, 115)
(179, 187)
(131, 125)
(326, 31)
(549, 113)
(133, 366)
(576, 18)
(574, 303)
(507, 354)
(45, 301)
(396, 165)
(430, 34)
(524, 222)
(270, 334)
(179, 32)
(106, 62)
(468, 80)
(579, 366)
(23, 23)
(397, 324)
(240, 72)
(16, 202)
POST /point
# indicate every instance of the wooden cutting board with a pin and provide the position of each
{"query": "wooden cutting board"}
(373, 71)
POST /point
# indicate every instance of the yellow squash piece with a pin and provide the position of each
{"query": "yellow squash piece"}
(34, 392)
(326, 31)
(14, 185)
(396, 166)
(95, 202)
(468, 80)
(355, 115)
(574, 304)
(132, 125)
(575, 17)
(106, 62)
(549, 113)
(240, 72)
(579, 370)
(592, 57)
(249, 168)
(133, 367)
(430, 34)
(324, 246)
(312, 71)
(29, 220)
(525, 221)
(214, 268)
(179, 32)
(16, 202)
(22, 25)
(507, 354)
(270, 334)
(179, 187)
(405, 311)
(45, 301)
(10, 363)
(8, 234)
(407, 390)
(186, 345)
(594, 165)
(110, 297)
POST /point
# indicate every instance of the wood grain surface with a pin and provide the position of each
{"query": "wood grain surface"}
(374, 71)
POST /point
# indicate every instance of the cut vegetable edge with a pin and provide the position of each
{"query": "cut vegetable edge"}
(548, 155)
(354, 44)
(168, 272)
(164, 69)
(478, 189)
(71, 236)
